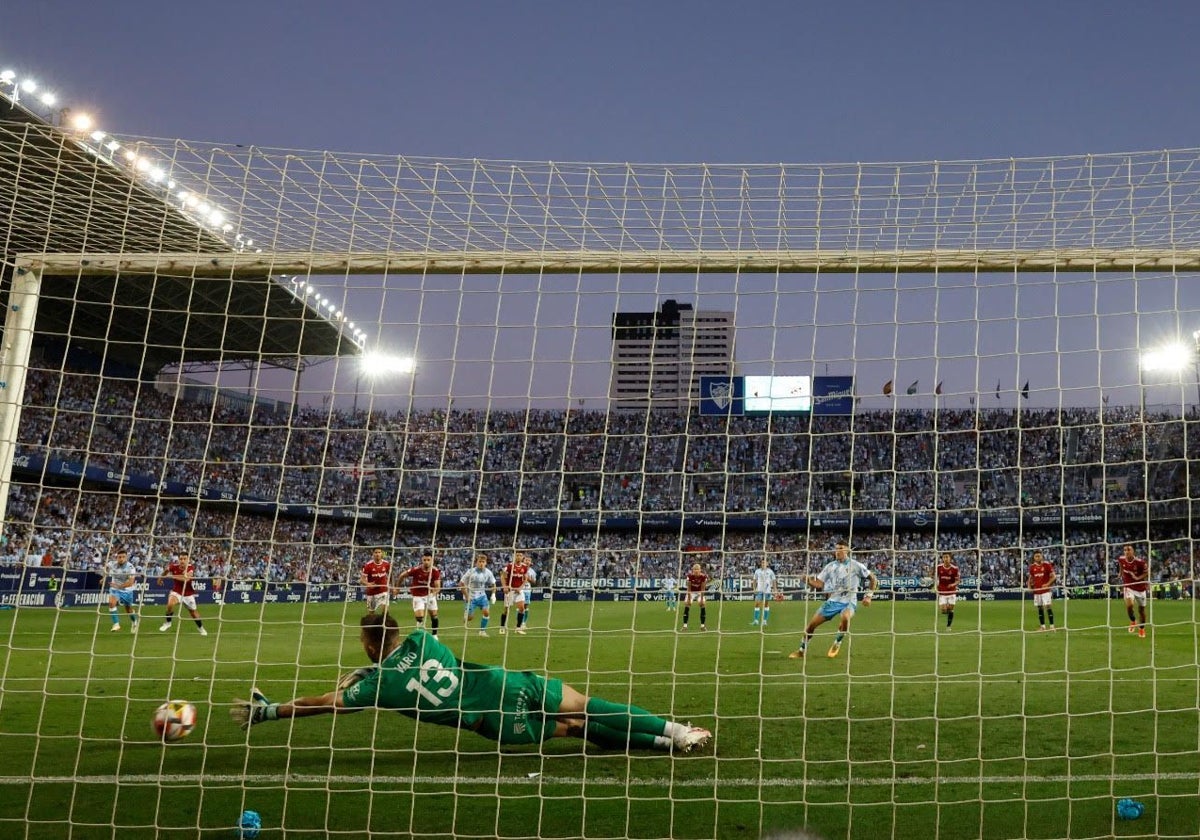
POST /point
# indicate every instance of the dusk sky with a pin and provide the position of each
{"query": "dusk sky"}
(670, 82)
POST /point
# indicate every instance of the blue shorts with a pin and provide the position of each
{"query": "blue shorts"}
(762, 597)
(123, 596)
(834, 609)
(479, 601)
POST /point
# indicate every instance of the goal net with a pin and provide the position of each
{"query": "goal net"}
(259, 372)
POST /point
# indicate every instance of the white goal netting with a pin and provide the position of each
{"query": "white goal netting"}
(279, 362)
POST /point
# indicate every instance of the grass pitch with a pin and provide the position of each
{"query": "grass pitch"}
(989, 730)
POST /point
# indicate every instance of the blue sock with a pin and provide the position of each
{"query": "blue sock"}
(756, 612)
(112, 613)
(766, 614)
(483, 623)
(838, 638)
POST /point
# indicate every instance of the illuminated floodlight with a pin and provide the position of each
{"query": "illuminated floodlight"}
(1171, 358)
(48, 99)
(112, 145)
(83, 122)
(7, 76)
(98, 136)
(28, 85)
(376, 364)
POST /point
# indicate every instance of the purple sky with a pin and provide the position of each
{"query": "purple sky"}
(665, 82)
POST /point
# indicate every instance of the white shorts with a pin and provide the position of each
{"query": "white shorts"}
(513, 597)
(424, 603)
(1041, 599)
(377, 602)
(947, 600)
(1134, 595)
(693, 598)
(188, 601)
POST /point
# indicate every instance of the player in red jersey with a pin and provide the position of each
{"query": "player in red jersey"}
(424, 584)
(697, 582)
(1135, 574)
(180, 571)
(1041, 580)
(376, 577)
(948, 576)
(512, 582)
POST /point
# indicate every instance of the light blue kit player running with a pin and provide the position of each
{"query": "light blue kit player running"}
(122, 589)
(475, 584)
(841, 580)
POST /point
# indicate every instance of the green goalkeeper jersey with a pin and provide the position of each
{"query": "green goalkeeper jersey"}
(423, 679)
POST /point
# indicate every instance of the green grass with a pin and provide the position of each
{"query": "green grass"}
(988, 731)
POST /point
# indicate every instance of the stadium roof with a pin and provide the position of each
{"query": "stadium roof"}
(58, 196)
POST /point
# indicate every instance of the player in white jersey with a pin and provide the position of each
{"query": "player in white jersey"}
(765, 588)
(122, 589)
(841, 580)
(475, 585)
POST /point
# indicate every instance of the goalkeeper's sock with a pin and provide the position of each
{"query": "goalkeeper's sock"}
(614, 739)
(624, 719)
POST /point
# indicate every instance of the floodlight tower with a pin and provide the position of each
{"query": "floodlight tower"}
(377, 365)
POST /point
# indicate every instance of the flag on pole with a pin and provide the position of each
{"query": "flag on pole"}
(1025, 390)
(997, 389)
(887, 388)
(912, 389)
(938, 390)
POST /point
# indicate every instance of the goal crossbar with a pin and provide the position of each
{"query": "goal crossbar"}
(238, 265)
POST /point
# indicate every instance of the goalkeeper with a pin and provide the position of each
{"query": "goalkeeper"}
(421, 678)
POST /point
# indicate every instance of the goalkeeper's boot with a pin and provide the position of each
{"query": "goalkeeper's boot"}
(691, 738)
(834, 650)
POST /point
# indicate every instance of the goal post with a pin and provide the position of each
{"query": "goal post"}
(621, 374)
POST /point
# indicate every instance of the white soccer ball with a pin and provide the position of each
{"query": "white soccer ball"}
(174, 720)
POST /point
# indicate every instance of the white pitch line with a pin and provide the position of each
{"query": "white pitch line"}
(601, 781)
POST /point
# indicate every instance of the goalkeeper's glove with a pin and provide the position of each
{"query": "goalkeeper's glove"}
(250, 712)
(355, 676)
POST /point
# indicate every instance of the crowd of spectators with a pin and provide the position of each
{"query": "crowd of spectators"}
(1131, 465)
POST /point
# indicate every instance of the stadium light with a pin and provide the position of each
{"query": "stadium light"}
(7, 76)
(376, 365)
(1174, 359)
(1171, 358)
(82, 122)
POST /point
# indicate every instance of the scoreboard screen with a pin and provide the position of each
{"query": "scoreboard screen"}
(778, 394)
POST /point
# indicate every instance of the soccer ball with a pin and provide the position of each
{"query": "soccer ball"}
(174, 720)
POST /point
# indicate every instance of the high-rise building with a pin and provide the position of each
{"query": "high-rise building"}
(659, 357)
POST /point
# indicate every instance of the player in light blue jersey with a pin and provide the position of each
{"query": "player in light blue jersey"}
(841, 580)
(671, 588)
(765, 588)
(122, 588)
(527, 589)
(475, 584)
